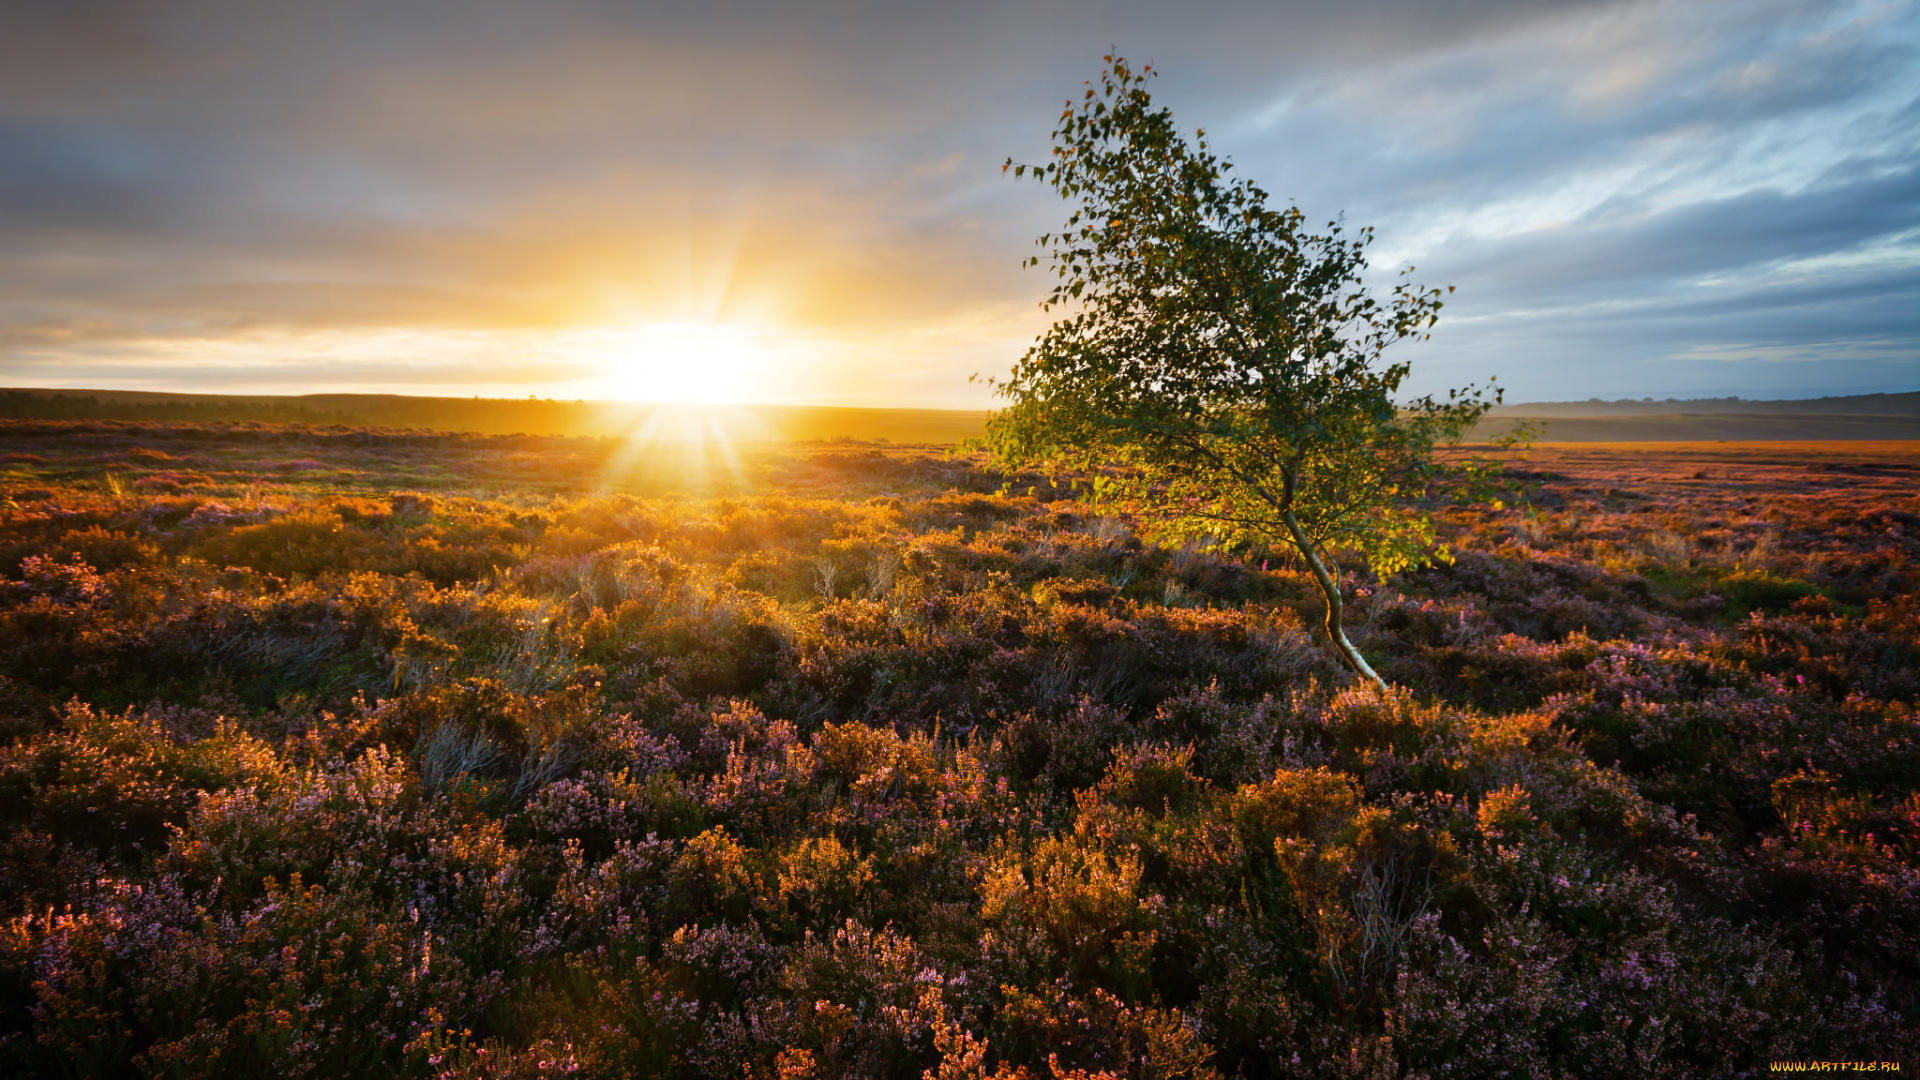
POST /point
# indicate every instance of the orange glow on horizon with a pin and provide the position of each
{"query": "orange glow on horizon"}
(693, 362)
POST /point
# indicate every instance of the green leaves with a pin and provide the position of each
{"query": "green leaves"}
(1221, 370)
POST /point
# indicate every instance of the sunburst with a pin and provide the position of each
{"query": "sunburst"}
(685, 362)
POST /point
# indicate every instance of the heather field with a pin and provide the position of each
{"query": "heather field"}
(331, 751)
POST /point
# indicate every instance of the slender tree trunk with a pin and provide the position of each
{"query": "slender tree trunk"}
(1336, 632)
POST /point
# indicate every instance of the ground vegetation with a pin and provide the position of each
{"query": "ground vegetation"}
(331, 752)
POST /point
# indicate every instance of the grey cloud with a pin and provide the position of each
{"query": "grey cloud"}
(59, 179)
(1420, 135)
(223, 163)
(1784, 137)
(1616, 252)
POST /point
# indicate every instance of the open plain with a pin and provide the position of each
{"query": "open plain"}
(346, 751)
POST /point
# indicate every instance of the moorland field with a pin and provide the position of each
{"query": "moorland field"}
(361, 752)
(1854, 417)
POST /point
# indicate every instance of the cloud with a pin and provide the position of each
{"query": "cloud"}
(1743, 182)
(1663, 179)
(1819, 352)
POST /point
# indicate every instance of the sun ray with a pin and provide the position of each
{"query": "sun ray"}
(699, 362)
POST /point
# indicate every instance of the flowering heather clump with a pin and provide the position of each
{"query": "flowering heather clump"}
(391, 760)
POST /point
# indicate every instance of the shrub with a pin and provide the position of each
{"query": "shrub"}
(643, 801)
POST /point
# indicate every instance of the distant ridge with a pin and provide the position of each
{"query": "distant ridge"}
(1855, 417)
(507, 416)
(1906, 404)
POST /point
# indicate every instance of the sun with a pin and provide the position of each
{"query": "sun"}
(693, 362)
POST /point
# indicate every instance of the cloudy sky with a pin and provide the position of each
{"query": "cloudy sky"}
(796, 202)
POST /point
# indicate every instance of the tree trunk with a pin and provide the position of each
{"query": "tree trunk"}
(1336, 633)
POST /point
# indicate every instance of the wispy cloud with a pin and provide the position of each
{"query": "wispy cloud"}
(1632, 197)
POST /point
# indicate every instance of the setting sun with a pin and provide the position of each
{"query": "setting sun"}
(696, 362)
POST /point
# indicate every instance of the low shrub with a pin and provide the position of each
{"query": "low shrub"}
(860, 767)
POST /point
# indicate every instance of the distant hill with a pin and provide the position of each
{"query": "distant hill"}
(1907, 405)
(1864, 416)
(507, 416)
(1858, 417)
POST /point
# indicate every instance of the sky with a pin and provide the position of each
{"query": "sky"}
(804, 203)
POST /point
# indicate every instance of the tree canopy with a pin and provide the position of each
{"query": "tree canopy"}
(1220, 367)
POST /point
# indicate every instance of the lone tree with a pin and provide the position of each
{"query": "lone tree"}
(1221, 371)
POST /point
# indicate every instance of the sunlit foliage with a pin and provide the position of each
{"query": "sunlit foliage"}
(1219, 368)
(862, 767)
